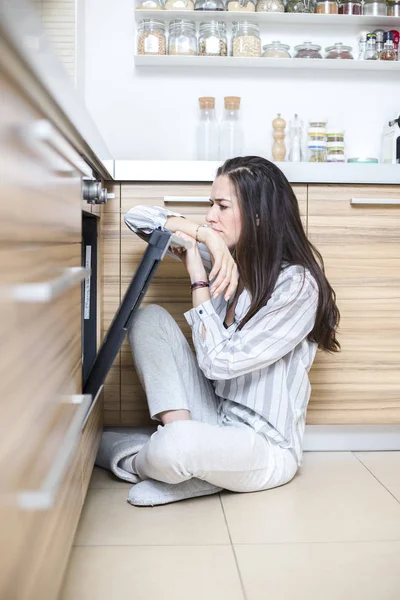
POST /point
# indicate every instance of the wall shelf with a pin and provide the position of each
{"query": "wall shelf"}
(266, 63)
(338, 21)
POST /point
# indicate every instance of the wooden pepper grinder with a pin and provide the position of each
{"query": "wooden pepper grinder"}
(279, 148)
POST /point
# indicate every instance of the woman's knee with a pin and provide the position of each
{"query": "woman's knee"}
(145, 317)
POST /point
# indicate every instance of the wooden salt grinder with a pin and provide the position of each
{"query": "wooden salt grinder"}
(279, 148)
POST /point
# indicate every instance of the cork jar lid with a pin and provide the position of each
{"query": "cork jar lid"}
(207, 102)
(232, 102)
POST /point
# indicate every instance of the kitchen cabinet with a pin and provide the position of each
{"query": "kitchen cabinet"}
(357, 231)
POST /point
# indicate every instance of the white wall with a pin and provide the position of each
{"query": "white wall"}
(151, 113)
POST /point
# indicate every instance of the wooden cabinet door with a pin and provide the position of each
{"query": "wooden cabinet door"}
(357, 231)
(170, 287)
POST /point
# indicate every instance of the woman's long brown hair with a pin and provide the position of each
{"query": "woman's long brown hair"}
(263, 191)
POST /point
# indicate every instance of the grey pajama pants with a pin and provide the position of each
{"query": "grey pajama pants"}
(228, 455)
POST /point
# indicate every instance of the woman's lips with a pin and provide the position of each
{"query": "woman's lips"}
(219, 231)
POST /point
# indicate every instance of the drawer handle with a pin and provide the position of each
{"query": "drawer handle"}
(187, 199)
(40, 136)
(375, 201)
(44, 497)
(48, 290)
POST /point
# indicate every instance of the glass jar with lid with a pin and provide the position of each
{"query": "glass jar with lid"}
(151, 38)
(335, 146)
(246, 39)
(149, 5)
(179, 5)
(242, 5)
(212, 39)
(374, 8)
(393, 8)
(339, 51)
(270, 6)
(307, 50)
(276, 50)
(209, 5)
(182, 38)
(301, 6)
(350, 7)
(327, 7)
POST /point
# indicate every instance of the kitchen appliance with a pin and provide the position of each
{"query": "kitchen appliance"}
(391, 141)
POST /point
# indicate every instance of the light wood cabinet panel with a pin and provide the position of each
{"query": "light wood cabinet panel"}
(170, 286)
(360, 245)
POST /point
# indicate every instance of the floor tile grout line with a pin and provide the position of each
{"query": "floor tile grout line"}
(373, 475)
(233, 549)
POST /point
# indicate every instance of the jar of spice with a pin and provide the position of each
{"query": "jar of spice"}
(388, 51)
(151, 38)
(182, 39)
(179, 5)
(150, 5)
(335, 147)
(276, 50)
(393, 8)
(350, 7)
(246, 39)
(307, 50)
(327, 7)
(270, 6)
(212, 39)
(374, 8)
(300, 6)
(339, 51)
(241, 5)
(209, 5)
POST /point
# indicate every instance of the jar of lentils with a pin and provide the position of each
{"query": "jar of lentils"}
(270, 6)
(276, 50)
(182, 38)
(151, 38)
(307, 50)
(339, 51)
(212, 39)
(350, 7)
(300, 6)
(246, 39)
(327, 7)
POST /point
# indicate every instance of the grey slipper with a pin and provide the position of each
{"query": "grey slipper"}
(116, 446)
(152, 493)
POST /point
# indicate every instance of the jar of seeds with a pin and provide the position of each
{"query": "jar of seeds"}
(270, 6)
(212, 39)
(182, 38)
(151, 38)
(246, 39)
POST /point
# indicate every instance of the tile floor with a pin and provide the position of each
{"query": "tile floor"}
(332, 533)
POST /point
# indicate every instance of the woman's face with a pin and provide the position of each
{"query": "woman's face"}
(224, 214)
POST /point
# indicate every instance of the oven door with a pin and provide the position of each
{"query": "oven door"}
(89, 292)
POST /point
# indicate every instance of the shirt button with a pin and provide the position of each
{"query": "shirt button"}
(200, 312)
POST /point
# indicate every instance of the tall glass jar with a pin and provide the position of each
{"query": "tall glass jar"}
(270, 6)
(151, 38)
(179, 5)
(246, 39)
(149, 5)
(182, 38)
(374, 8)
(300, 6)
(207, 131)
(212, 39)
(241, 5)
(209, 5)
(350, 7)
(231, 131)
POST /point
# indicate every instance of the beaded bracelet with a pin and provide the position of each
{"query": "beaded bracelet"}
(199, 284)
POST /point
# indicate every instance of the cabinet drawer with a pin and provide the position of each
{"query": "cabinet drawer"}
(40, 187)
(41, 339)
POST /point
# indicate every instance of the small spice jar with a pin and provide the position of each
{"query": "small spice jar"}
(307, 50)
(374, 8)
(151, 38)
(242, 5)
(350, 7)
(335, 146)
(339, 51)
(246, 39)
(179, 5)
(209, 5)
(182, 39)
(327, 7)
(300, 6)
(388, 51)
(393, 8)
(270, 6)
(212, 39)
(150, 5)
(276, 50)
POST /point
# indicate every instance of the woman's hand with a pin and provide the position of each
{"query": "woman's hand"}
(224, 271)
(191, 258)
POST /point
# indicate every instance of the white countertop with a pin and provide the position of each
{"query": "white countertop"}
(142, 170)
